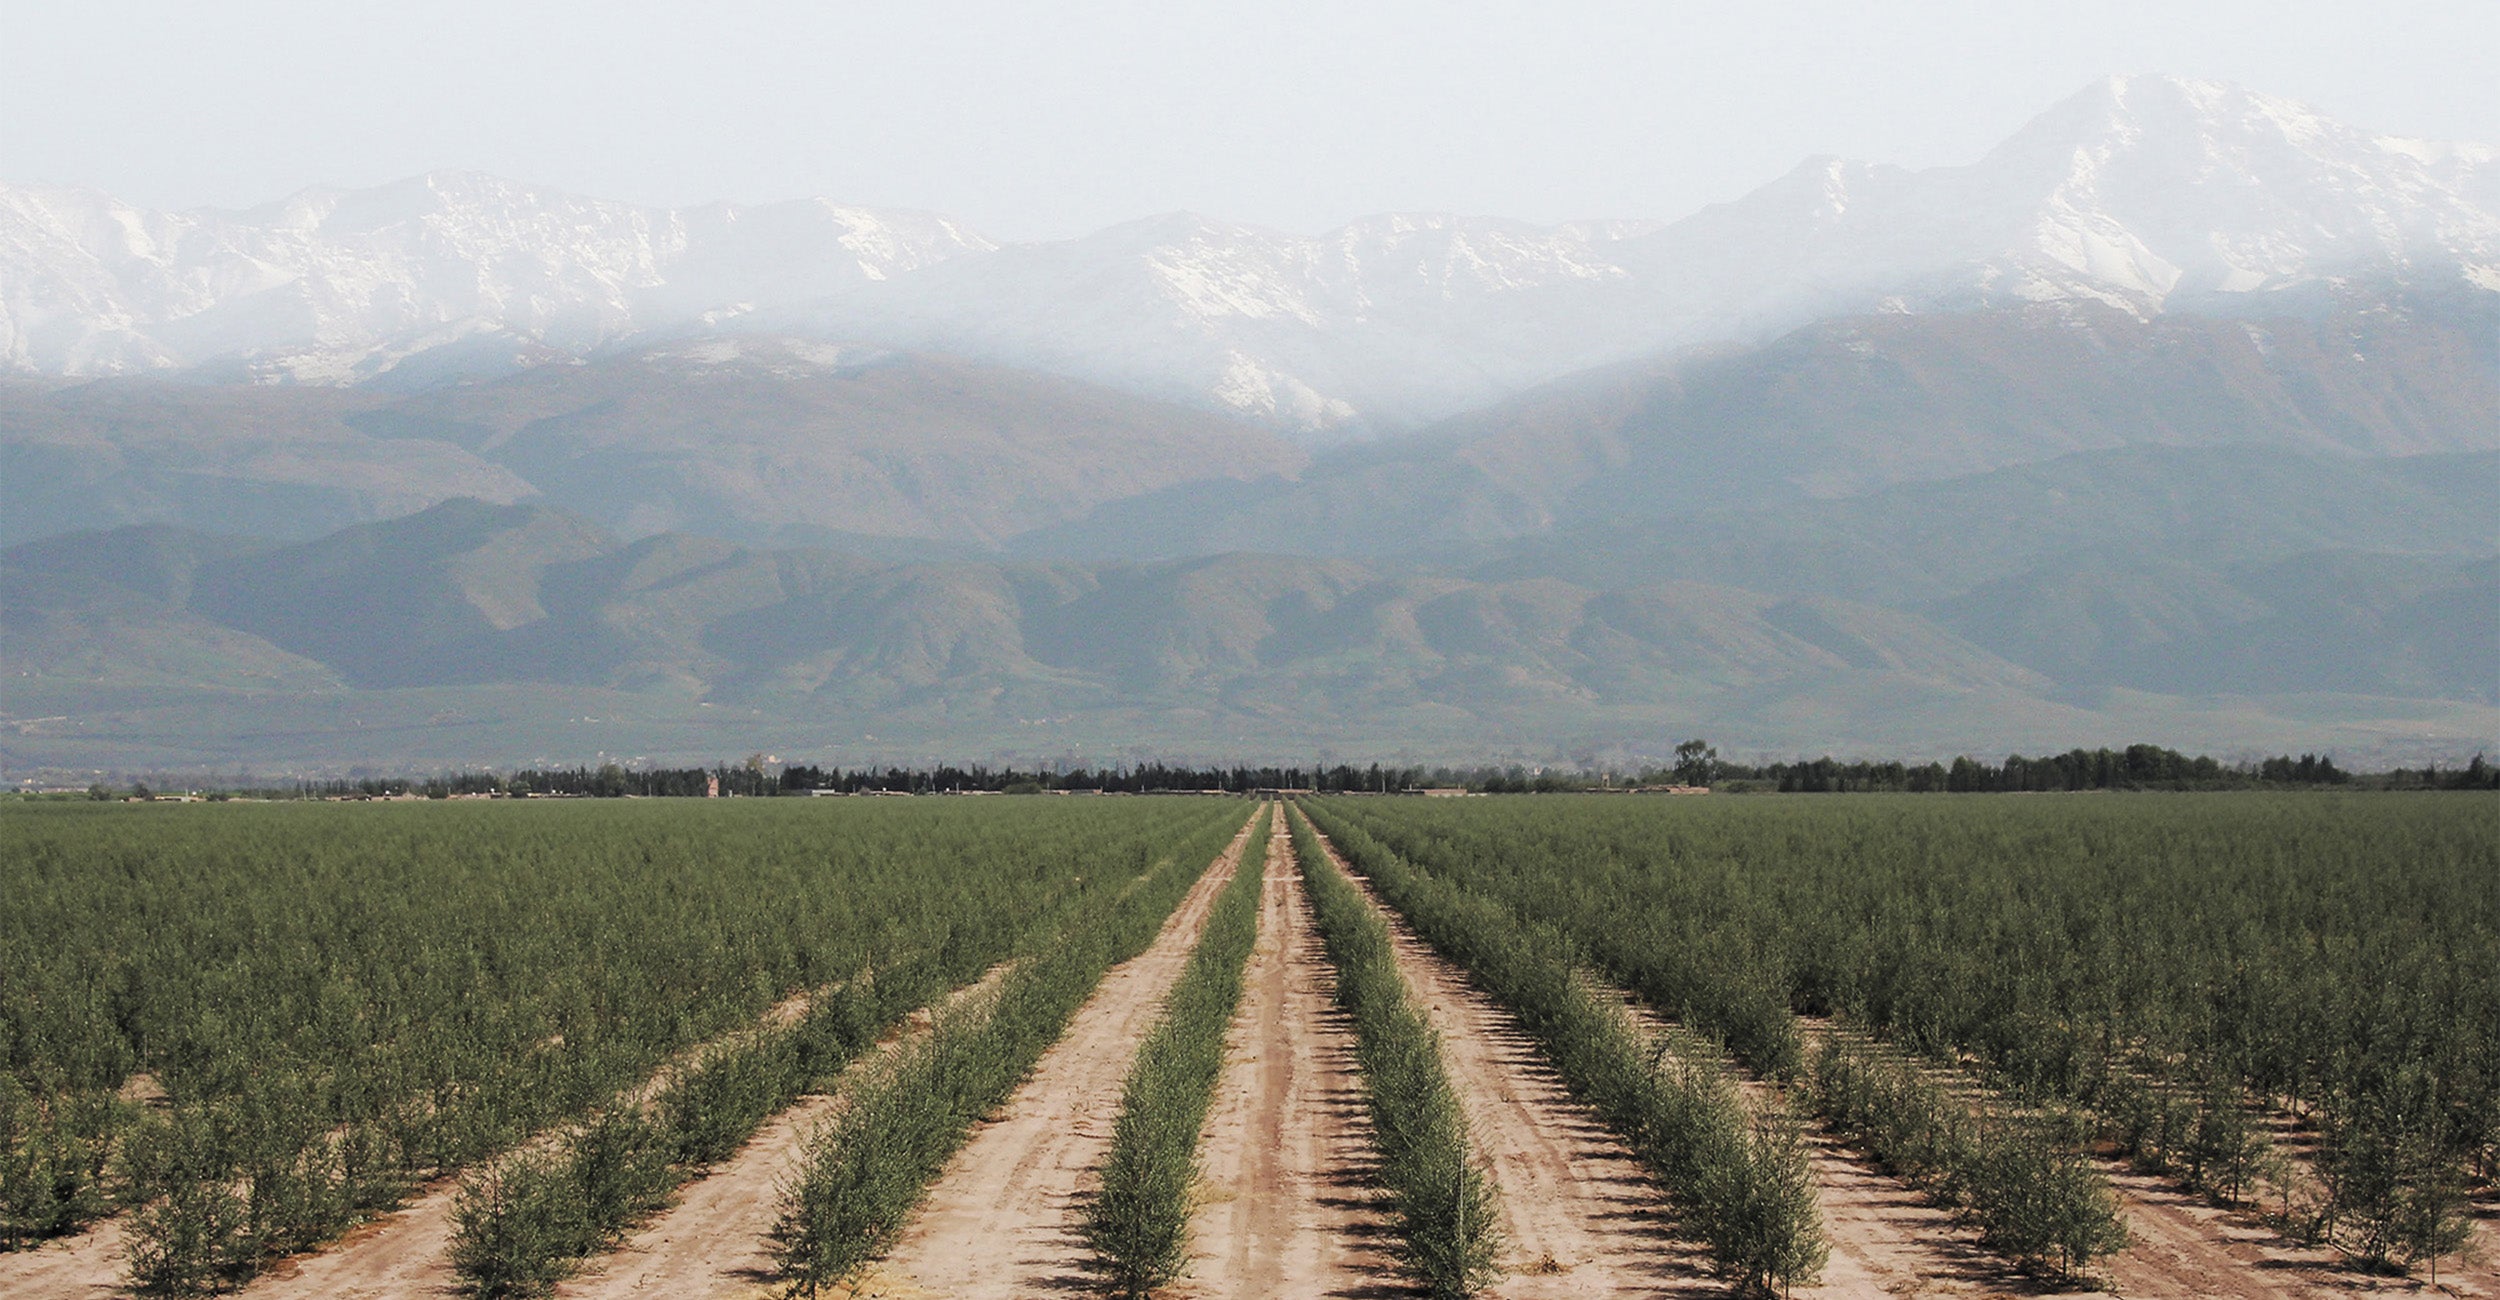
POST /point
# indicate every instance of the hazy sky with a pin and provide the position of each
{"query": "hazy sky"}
(1046, 119)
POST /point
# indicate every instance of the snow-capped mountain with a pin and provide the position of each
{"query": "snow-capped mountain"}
(2150, 194)
(339, 286)
(2145, 193)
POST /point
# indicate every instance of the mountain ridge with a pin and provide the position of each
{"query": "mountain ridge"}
(2367, 622)
(2144, 194)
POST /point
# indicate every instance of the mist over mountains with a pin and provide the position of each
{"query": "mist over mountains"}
(2149, 194)
(2176, 417)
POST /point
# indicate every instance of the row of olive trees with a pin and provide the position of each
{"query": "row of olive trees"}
(864, 1173)
(1137, 1222)
(1740, 1182)
(2171, 968)
(1441, 1196)
(528, 1221)
(2032, 1192)
(333, 1003)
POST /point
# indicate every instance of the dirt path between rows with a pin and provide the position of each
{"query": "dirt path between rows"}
(84, 1266)
(1579, 1216)
(712, 1243)
(408, 1254)
(388, 1255)
(2184, 1245)
(1290, 1208)
(1886, 1238)
(1001, 1221)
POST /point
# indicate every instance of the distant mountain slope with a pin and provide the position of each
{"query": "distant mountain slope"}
(1845, 407)
(278, 462)
(2325, 621)
(477, 610)
(755, 438)
(467, 592)
(2147, 195)
(2155, 507)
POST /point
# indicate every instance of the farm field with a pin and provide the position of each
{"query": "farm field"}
(2123, 995)
(1518, 1046)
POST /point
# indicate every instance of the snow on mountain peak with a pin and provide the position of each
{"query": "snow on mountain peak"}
(335, 282)
(2146, 193)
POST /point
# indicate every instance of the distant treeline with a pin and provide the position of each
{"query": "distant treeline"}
(2137, 767)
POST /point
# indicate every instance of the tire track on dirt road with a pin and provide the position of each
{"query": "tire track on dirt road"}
(1290, 1206)
(1579, 1216)
(1002, 1220)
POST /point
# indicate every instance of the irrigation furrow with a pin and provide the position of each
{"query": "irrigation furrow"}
(1579, 1217)
(1289, 1208)
(1002, 1219)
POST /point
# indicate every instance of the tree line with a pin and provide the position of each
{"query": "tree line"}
(1696, 763)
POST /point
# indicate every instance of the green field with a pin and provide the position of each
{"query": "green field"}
(2157, 972)
(336, 1001)
(244, 1027)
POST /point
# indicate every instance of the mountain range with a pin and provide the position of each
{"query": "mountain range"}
(2151, 195)
(2174, 418)
(2362, 614)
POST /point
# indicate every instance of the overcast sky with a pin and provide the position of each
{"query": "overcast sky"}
(1035, 120)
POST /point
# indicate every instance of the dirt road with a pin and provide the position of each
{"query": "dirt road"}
(1579, 1217)
(1001, 1221)
(1290, 1209)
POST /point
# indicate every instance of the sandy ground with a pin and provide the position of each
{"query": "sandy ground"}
(2185, 1245)
(712, 1242)
(1887, 1240)
(399, 1253)
(88, 1264)
(1001, 1221)
(1579, 1217)
(407, 1254)
(1289, 1209)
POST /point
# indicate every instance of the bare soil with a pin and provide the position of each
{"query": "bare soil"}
(2185, 1245)
(1579, 1216)
(1002, 1220)
(1289, 1208)
(712, 1243)
(396, 1254)
(79, 1267)
(408, 1253)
